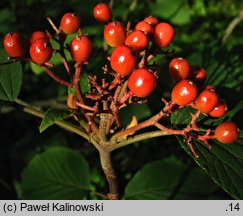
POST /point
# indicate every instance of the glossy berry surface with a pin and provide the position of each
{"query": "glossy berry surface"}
(114, 34)
(227, 132)
(141, 82)
(145, 27)
(40, 51)
(219, 110)
(37, 35)
(198, 75)
(123, 60)
(102, 13)
(137, 40)
(207, 100)
(70, 23)
(179, 68)
(151, 20)
(184, 92)
(80, 48)
(163, 34)
(14, 44)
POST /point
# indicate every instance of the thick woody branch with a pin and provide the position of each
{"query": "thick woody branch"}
(105, 159)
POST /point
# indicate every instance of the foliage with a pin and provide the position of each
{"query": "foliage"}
(152, 169)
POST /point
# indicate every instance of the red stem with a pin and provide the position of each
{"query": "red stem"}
(169, 130)
(55, 77)
(76, 80)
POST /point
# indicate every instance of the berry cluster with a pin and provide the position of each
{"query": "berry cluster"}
(134, 78)
(189, 90)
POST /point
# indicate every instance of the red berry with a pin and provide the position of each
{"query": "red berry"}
(219, 110)
(114, 34)
(179, 68)
(137, 40)
(70, 23)
(141, 82)
(14, 44)
(207, 100)
(184, 92)
(37, 35)
(163, 34)
(145, 27)
(102, 13)
(122, 60)
(198, 75)
(151, 20)
(80, 48)
(41, 51)
(227, 132)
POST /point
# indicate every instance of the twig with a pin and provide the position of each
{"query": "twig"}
(66, 125)
(140, 137)
(55, 77)
(53, 25)
(149, 122)
(232, 26)
(76, 80)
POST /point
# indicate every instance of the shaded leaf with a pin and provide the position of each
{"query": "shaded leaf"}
(183, 116)
(84, 83)
(177, 12)
(224, 163)
(169, 179)
(52, 116)
(58, 173)
(10, 79)
(141, 111)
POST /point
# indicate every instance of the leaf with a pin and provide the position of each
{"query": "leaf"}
(177, 12)
(58, 173)
(133, 123)
(10, 79)
(169, 179)
(224, 163)
(183, 116)
(141, 111)
(52, 116)
(84, 83)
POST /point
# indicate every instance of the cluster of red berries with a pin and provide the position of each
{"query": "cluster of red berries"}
(40, 48)
(186, 92)
(128, 46)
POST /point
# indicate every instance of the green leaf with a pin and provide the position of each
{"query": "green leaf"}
(176, 11)
(141, 111)
(224, 163)
(10, 79)
(52, 116)
(58, 173)
(169, 179)
(36, 69)
(183, 116)
(84, 83)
